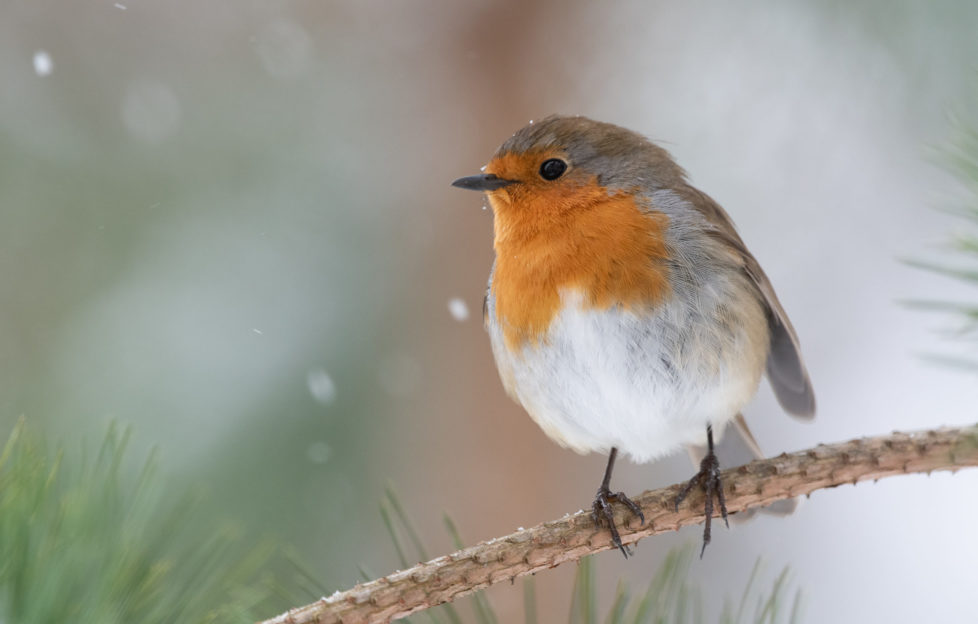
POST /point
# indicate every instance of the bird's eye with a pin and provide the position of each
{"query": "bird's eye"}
(552, 169)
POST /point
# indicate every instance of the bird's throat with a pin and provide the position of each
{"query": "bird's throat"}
(607, 249)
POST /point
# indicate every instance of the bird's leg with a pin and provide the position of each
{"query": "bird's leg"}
(601, 510)
(707, 478)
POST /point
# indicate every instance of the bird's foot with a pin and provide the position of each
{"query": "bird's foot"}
(707, 478)
(602, 511)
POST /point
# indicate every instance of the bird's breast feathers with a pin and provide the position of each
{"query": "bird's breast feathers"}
(644, 381)
(607, 248)
(619, 325)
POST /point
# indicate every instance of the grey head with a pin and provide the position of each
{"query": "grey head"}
(620, 158)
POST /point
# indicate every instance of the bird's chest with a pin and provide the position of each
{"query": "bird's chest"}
(588, 354)
(612, 255)
(644, 380)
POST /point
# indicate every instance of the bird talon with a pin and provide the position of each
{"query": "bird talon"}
(707, 478)
(602, 511)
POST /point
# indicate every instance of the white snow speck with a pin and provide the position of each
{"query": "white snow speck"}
(482, 168)
(319, 452)
(256, 330)
(458, 309)
(321, 386)
(43, 65)
(120, 6)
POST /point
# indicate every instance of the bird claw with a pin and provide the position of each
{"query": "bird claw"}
(602, 511)
(707, 478)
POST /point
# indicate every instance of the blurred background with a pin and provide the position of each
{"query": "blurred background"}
(231, 226)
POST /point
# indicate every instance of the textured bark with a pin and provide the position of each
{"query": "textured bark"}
(574, 536)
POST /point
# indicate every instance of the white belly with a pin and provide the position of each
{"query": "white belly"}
(645, 384)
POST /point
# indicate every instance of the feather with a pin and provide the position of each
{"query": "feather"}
(785, 369)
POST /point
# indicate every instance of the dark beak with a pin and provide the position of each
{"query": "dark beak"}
(483, 182)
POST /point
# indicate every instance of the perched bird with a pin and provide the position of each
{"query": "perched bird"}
(624, 311)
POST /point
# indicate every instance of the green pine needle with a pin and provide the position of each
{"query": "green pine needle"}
(83, 541)
(960, 157)
(617, 613)
(530, 600)
(584, 608)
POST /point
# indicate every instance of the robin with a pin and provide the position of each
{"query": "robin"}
(625, 312)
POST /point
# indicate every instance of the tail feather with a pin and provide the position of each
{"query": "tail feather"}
(787, 374)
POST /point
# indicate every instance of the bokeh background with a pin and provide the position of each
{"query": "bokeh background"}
(230, 224)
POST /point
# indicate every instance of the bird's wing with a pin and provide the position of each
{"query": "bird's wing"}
(785, 368)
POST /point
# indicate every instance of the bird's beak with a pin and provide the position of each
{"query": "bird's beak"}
(482, 182)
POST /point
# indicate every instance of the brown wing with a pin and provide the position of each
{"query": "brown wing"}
(785, 368)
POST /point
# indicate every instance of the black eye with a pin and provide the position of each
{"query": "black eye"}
(552, 169)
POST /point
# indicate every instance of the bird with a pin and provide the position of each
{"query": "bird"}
(624, 311)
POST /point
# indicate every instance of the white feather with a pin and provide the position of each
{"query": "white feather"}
(646, 383)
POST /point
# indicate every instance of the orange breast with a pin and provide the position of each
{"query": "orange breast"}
(583, 238)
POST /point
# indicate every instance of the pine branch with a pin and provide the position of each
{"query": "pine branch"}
(574, 536)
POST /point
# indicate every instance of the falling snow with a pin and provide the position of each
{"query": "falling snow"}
(43, 65)
(321, 386)
(458, 309)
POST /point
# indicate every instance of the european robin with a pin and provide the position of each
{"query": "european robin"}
(625, 312)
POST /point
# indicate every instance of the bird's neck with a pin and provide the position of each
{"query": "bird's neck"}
(609, 252)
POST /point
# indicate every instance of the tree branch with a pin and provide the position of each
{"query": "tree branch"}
(574, 536)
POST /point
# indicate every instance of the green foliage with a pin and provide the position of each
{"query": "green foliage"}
(670, 599)
(81, 540)
(961, 159)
